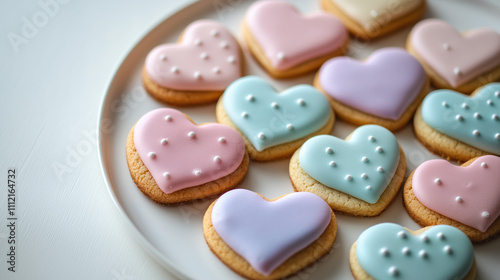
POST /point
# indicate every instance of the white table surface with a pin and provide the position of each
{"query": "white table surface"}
(52, 80)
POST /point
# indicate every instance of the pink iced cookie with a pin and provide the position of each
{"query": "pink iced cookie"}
(462, 62)
(467, 196)
(286, 43)
(172, 160)
(195, 70)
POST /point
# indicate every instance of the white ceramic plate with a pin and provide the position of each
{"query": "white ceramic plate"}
(173, 235)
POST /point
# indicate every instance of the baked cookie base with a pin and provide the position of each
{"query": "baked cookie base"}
(294, 71)
(439, 82)
(359, 118)
(360, 274)
(276, 152)
(147, 185)
(340, 201)
(295, 263)
(426, 217)
(383, 27)
(441, 144)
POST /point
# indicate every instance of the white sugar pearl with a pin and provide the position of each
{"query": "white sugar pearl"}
(191, 134)
(380, 169)
(495, 117)
(197, 75)
(244, 115)
(476, 132)
(364, 176)
(174, 69)
(168, 118)
(217, 159)
(393, 271)
(275, 105)
(379, 149)
(402, 234)
(446, 46)
(261, 135)
(163, 57)
(197, 172)
(465, 105)
(289, 126)
(371, 138)
(497, 136)
(348, 177)
(459, 117)
(424, 238)
(364, 159)
(214, 32)
(301, 102)
(458, 199)
(368, 187)
(250, 97)
(204, 55)
(422, 254)
(445, 104)
(329, 150)
(332, 163)
(197, 41)
(484, 165)
(222, 140)
(457, 71)
(216, 70)
(447, 249)
(166, 175)
(152, 155)
(440, 235)
(164, 141)
(405, 250)
(384, 251)
(280, 55)
(497, 93)
(224, 45)
(438, 181)
(489, 102)
(485, 214)
(231, 59)
(477, 115)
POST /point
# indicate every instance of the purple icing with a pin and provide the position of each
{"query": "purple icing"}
(267, 233)
(383, 86)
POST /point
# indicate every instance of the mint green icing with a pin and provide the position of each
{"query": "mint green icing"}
(477, 123)
(268, 118)
(362, 167)
(389, 251)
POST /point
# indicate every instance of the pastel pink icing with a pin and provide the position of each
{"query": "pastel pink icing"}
(207, 58)
(380, 93)
(191, 155)
(265, 233)
(455, 57)
(470, 195)
(289, 38)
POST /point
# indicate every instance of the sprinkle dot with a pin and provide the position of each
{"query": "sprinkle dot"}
(438, 181)
(280, 56)
(477, 115)
(393, 271)
(465, 105)
(214, 32)
(261, 135)
(445, 104)
(384, 251)
(364, 176)
(216, 70)
(164, 141)
(197, 75)
(329, 150)
(301, 102)
(198, 42)
(371, 138)
(402, 234)
(275, 105)
(424, 238)
(422, 254)
(484, 165)
(485, 214)
(440, 235)
(379, 149)
(217, 159)
(364, 159)
(197, 172)
(447, 249)
(495, 117)
(174, 69)
(332, 163)
(231, 59)
(446, 46)
(489, 102)
(405, 250)
(222, 140)
(168, 118)
(459, 117)
(152, 155)
(250, 97)
(289, 126)
(244, 115)
(380, 169)
(368, 187)
(224, 45)
(166, 175)
(163, 57)
(191, 134)
(476, 132)
(458, 199)
(456, 71)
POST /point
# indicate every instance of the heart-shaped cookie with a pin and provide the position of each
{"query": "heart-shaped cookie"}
(472, 120)
(390, 251)
(287, 38)
(267, 233)
(455, 58)
(165, 138)
(206, 59)
(374, 18)
(469, 195)
(268, 118)
(362, 166)
(380, 94)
